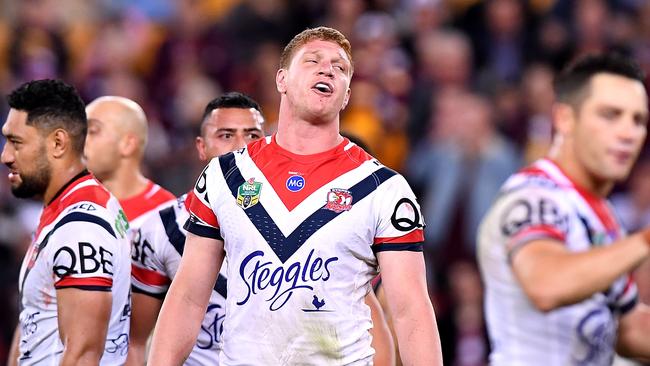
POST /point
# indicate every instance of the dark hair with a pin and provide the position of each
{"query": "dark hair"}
(571, 85)
(52, 104)
(230, 100)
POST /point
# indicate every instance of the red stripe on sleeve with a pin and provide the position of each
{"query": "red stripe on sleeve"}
(545, 230)
(84, 281)
(200, 210)
(149, 277)
(414, 236)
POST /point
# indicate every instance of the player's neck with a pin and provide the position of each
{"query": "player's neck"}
(126, 182)
(580, 175)
(61, 176)
(305, 138)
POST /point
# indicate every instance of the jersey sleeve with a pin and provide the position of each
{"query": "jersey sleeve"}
(82, 251)
(400, 223)
(203, 221)
(628, 298)
(533, 213)
(149, 274)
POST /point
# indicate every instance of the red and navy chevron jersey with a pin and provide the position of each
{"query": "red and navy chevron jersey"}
(80, 242)
(157, 251)
(300, 234)
(148, 202)
(542, 202)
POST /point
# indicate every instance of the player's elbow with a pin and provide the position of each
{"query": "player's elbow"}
(544, 299)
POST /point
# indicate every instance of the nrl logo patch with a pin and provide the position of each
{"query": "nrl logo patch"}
(248, 194)
(339, 200)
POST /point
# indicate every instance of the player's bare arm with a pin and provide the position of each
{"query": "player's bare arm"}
(83, 323)
(403, 276)
(144, 312)
(13, 351)
(185, 303)
(575, 276)
(382, 339)
(633, 340)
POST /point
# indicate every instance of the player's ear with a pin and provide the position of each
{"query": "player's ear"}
(59, 141)
(281, 81)
(129, 144)
(346, 100)
(563, 118)
(200, 148)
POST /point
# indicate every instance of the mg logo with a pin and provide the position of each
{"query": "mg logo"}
(295, 183)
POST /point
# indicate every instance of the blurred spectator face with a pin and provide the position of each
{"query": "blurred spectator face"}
(591, 19)
(102, 149)
(228, 129)
(476, 128)
(37, 13)
(426, 15)
(446, 57)
(553, 35)
(537, 85)
(504, 17)
(346, 9)
(25, 154)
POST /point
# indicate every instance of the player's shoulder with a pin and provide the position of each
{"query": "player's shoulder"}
(532, 194)
(357, 153)
(255, 147)
(532, 181)
(89, 191)
(85, 219)
(156, 221)
(158, 195)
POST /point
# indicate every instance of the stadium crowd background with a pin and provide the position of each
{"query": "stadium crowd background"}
(454, 94)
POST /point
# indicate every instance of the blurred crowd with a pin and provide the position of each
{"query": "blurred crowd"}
(454, 94)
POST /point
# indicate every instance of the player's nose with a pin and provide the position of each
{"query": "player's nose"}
(7, 157)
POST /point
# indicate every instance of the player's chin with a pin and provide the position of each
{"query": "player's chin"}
(619, 174)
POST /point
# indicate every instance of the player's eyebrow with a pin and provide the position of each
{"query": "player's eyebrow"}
(229, 129)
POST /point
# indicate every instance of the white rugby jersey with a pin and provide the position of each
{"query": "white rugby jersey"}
(145, 204)
(300, 234)
(159, 244)
(542, 202)
(80, 242)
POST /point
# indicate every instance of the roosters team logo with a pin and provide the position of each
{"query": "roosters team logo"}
(339, 200)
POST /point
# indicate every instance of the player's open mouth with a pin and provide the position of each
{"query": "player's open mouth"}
(13, 174)
(323, 87)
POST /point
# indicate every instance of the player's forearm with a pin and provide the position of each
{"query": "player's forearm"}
(417, 334)
(177, 329)
(382, 340)
(633, 340)
(552, 281)
(82, 354)
(13, 351)
(136, 354)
